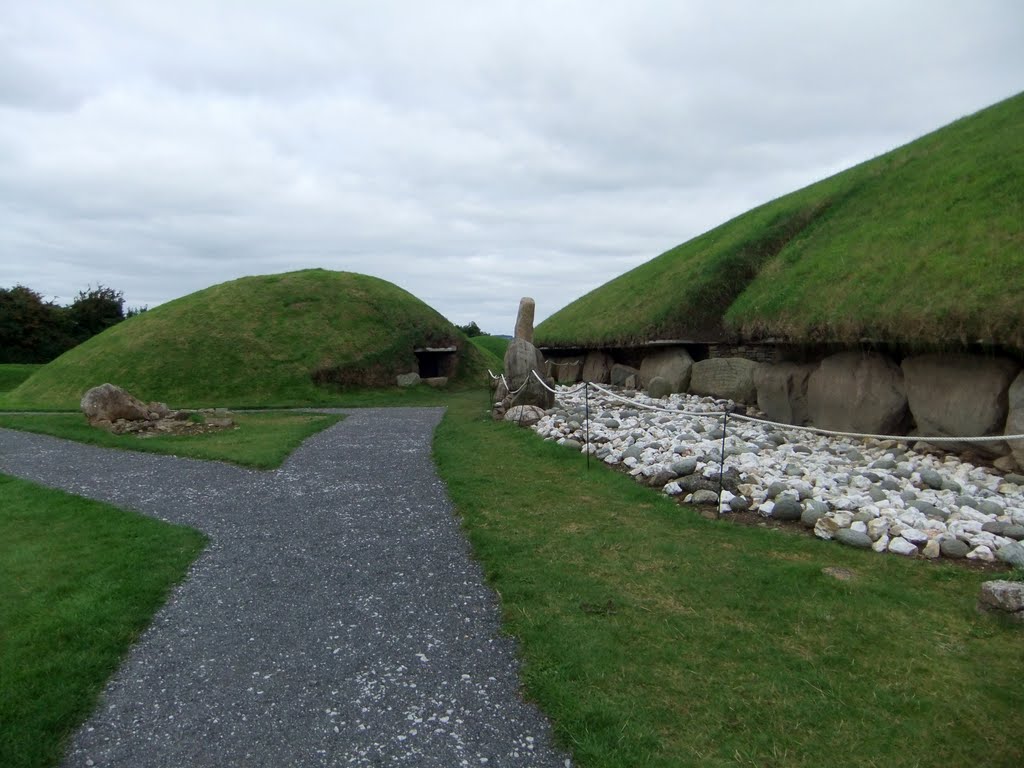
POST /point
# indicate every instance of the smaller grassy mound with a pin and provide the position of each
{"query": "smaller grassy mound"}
(493, 348)
(81, 580)
(294, 338)
(261, 441)
(13, 374)
(922, 245)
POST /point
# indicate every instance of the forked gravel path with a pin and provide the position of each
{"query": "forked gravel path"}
(336, 617)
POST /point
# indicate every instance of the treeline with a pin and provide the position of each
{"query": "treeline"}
(33, 330)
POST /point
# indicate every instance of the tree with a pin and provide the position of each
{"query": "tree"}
(95, 310)
(471, 329)
(31, 330)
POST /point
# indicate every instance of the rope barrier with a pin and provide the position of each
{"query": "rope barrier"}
(813, 430)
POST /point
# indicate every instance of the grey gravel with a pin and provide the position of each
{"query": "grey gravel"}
(336, 617)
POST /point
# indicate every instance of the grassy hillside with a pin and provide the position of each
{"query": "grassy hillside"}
(493, 348)
(268, 340)
(923, 244)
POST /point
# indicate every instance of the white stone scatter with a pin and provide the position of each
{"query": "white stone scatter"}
(900, 500)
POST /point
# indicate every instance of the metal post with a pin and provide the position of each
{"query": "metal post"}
(586, 414)
(721, 464)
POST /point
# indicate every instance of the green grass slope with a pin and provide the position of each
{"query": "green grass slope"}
(921, 245)
(292, 338)
(493, 348)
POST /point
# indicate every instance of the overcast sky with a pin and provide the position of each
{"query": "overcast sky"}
(471, 152)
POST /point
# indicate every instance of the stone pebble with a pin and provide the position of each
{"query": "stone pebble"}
(889, 496)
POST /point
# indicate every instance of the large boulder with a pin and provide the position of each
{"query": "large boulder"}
(730, 378)
(1015, 417)
(857, 392)
(782, 391)
(566, 370)
(672, 365)
(522, 359)
(959, 395)
(625, 376)
(597, 367)
(108, 402)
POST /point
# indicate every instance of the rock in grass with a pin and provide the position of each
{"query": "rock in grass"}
(1012, 554)
(813, 511)
(901, 546)
(705, 497)
(1004, 597)
(852, 538)
(524, 415)
(787, 507)
(953, 548)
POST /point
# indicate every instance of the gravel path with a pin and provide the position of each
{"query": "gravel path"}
(336, 617)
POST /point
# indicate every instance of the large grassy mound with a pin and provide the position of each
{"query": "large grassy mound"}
(922, 245)
(271, 340)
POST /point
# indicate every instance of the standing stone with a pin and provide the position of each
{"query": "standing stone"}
(521, 360)
(782, 391)
(1015, 417)
(730, 378)
(959, 395)
(857, 392)
(672, 365)
(524, 320)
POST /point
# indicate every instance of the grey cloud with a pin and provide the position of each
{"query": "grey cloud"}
(471, 153)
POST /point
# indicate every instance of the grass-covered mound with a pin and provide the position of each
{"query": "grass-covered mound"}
(922, 245)
(270, 340)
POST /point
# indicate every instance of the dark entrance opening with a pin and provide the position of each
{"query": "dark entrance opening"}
(437, 361)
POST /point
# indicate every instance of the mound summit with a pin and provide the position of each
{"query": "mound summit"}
(271, 339)
(922, 246)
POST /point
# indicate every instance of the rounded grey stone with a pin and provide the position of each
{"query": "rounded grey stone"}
(883, 464)
(787, 507)
(953, 548)
(989, 507)
(739, 504)
(931, 478)
(684, 467)
(1012, 554)
(659, 387)
(995, 526)
(814, 510)
(776, 488)
(1014, 532)
(889, 484)
(877, 494)
(853, 538)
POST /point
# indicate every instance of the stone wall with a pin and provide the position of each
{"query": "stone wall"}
(948, 395)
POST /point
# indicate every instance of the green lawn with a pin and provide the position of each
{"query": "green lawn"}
(650, 636)
(262, 440)
(654, 637)
(80, 581)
